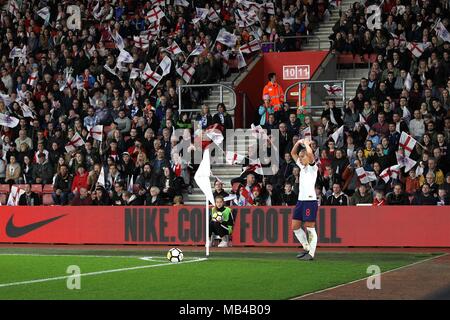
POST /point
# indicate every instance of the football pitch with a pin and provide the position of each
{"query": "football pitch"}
(48, 274)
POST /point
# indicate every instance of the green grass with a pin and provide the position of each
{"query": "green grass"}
(239, 275)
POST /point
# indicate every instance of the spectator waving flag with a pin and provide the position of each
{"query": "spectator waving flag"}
(33, 79)
(255, 167)
(96, 132)
(404, 161)
(226, 38)
(8, 121)
(417, 48)
(14, 196)
(101, 177)
(186, 71)
(407, 143)
(165, 65)
(125, 57)
(442, 32)
(44, 13)
(181, 3)
(250, 47)
(333, 90)
(161, 3)
(338, 134)
(212, 15)
(390, 172)
(306, 133)
(365, 176)
(270, 7)
(198, 50)
(155, 14)
(75, 142)
(233, 158)
(150, 76)
(241, 60)
(363, 121)
(26, 110)
(141, 42)
(118, 40)
(201, 13)
(173, 49)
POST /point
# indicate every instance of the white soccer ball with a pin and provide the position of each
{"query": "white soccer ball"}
(217, 216)
(175, 255)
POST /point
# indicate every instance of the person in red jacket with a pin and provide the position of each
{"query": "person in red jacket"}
(379, 199)
(80, 180)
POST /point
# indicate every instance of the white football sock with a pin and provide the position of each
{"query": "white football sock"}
(301, 236)
(312, 240)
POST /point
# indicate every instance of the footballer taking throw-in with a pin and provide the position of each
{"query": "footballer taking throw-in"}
(307, 204)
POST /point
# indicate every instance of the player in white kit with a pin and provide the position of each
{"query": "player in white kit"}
(307, 205)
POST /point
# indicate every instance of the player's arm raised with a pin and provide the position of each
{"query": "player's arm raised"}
(309, 151)
(294, 151)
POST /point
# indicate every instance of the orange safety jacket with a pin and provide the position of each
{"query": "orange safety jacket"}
(275, 93)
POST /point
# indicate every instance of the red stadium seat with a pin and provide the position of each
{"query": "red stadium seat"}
(4, 188)
(47, 200)
(21, 186)
(48, 188)
(36, 188)
(345, 59)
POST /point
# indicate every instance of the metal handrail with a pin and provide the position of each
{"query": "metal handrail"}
(274, 43)
(207, 85)
(303, 82)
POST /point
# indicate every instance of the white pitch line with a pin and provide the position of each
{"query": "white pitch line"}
(2, 285)
(365, 278)
(74, 255)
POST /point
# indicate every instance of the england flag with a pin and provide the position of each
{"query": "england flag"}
(173, 49)
(96, 132)
(141, 42)
(407, 143)
(226, 38)
(365, 176)
(155, 14)
(150, 76)
(8, 121)
(186, 71)
(165, 65)
(250, 47)
(233, 158)
(417, 48)
(442, 32)
(33, 79)
(75, 142)
(14, 196)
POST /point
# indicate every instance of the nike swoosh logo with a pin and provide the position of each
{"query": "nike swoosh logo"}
(13, 231)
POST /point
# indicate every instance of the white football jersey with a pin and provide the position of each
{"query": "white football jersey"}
(308, 176)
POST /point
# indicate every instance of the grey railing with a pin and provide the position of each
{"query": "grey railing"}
(221, 86)
(299, 85)
(320, 41)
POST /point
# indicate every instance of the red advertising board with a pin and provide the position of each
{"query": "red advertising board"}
(255, 226)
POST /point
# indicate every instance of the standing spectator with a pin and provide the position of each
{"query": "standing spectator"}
(274, 91)
(265, 110)
(62, 186)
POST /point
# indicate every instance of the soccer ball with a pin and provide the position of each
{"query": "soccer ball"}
(217, 216)
(175, 255)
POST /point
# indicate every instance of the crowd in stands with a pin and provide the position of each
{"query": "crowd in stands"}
(58, 83)
(402, 92)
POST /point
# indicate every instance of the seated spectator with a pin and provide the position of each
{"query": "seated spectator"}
(222, 117)
(289, 197)
(379, 199)
(270, 196)
(82, 198)
(425, 197)
(412, 182)
(100, 197)
(337, 198)
(397, 197)
(257, 198)
(153, 198)
(29, 198)
(178, 200)
(443, 197)
(130, 199)
(361, 196)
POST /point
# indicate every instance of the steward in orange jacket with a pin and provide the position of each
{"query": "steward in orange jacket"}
(274, 91)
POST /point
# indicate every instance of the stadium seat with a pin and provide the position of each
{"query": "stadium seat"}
(36, 188)
(47, 200)
(4, 188)
(21, 186)
(48, 188)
